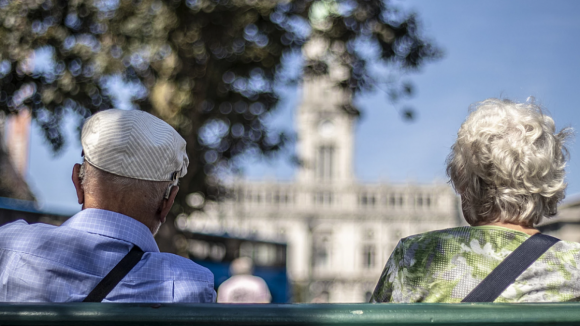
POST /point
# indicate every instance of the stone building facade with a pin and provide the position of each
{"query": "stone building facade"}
(566, 224)
(339, 232)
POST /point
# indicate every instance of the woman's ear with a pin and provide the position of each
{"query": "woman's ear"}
(78, 184)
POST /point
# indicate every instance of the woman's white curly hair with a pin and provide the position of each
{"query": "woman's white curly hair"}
(508, 163)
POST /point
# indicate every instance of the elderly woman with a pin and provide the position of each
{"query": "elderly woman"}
(507, 165)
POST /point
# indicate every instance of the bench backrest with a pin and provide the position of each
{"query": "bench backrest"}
(290, 314)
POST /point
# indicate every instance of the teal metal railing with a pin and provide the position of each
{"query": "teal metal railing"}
(291, 314)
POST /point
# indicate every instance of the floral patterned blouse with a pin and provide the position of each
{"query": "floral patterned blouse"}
(445, 265)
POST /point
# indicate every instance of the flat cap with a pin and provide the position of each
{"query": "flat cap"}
(134, 144)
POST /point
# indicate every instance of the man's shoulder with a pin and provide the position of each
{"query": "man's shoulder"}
(20, 232)
(181, 268)
(20, 224)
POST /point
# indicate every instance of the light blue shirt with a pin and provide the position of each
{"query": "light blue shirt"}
(45, 263)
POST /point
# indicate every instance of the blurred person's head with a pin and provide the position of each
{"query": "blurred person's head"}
(132, 162)
(242, 266)
(507, 163)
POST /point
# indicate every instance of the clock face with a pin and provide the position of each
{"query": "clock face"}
(326, 128)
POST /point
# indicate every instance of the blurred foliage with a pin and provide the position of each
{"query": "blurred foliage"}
(207, 67)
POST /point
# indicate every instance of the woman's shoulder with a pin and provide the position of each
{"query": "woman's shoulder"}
(567, 247)
(439, 234)
(467, 241)
(467, 234)
(492, 238)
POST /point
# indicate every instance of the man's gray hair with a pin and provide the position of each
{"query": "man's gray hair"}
(508, 163)
(149, 194)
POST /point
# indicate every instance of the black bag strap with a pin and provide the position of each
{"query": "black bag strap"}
(513, 266)
(108, 283)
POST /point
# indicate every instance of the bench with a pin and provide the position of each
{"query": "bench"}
(290, 314)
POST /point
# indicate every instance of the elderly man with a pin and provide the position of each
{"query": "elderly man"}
(107, 253)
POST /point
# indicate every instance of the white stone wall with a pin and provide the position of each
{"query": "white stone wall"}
(349, 228)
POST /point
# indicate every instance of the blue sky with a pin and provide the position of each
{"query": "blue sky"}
(512, 49)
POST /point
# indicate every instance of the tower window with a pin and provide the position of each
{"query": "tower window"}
(325, 166)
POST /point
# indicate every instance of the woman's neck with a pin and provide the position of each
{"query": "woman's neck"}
(526, 229)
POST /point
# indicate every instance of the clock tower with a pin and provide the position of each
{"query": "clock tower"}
(325, 128)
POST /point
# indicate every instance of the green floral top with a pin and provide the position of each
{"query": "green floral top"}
(445, 265)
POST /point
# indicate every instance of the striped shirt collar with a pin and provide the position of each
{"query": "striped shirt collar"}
(113, 225)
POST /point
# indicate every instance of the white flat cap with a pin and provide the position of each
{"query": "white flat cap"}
(134, 144)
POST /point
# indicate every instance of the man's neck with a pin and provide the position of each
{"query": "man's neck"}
(116, 207)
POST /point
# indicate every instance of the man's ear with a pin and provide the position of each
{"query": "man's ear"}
(167, 203)
(77, 182)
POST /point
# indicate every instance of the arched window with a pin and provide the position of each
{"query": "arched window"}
(325, 162)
